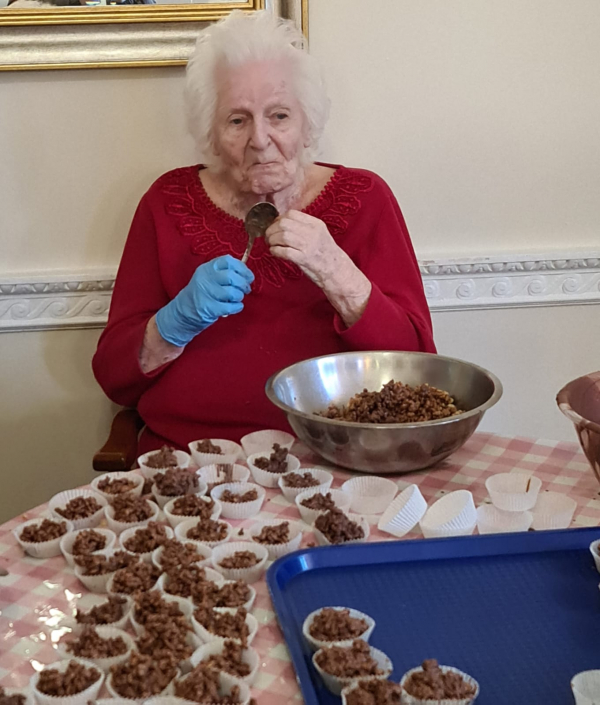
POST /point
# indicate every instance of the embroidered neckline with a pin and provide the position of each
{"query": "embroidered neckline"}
(310, 209)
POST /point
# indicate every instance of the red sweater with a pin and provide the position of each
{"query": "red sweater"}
(215, 389)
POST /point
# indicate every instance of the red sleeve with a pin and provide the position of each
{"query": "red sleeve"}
(137, 296)
(397, 316)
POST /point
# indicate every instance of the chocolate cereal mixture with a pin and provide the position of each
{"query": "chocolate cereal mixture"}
(151, 610)
(229, 660)
(375, 692)
(79, 508)
(225, 624)
(348, 662)
(208, 446)
(120, 485)
(276, 534)
(297, 480)
(432, 684)
(319, 502)
(45, 531)
(338, 528)
(163, 458)
(336, 625)
(139, 576)
(233, 498)
(208, 530)
(167, 637)
(175, 553)
(181, 579)
(147, 486)
(176, 482)
(130, 509)
(108, 612)
(193, 506)
(88, 541)
(234, 594)
(147, 539)
(276, 462)
(202, 686)
(143, 676)
(90, 644)
(240, 559)
(98, 564)
(74, 680)
(396, 403)
(224, 474)
(15, 699)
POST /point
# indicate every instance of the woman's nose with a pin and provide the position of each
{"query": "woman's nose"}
(259, 138)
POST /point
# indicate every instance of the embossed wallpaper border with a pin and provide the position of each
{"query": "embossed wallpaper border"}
(82, 299)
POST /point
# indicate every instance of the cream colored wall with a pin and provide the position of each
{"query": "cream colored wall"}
(482, 115)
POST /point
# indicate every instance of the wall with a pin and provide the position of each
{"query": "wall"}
(482, 116)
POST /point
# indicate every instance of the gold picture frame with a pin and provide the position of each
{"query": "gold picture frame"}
(120, 36)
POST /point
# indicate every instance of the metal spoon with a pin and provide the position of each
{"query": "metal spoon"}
(256, 222)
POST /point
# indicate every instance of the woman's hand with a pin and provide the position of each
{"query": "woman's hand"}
(304, 240)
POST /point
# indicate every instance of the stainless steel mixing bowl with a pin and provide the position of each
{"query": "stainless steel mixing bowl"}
(311, 385)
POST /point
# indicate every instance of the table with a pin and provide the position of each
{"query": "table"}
(36, 594)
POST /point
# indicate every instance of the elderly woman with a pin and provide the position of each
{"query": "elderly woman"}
(193, 334)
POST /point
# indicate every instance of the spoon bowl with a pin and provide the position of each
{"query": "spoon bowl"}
(256, 222)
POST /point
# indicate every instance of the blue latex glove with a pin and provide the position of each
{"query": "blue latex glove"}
(216, 289)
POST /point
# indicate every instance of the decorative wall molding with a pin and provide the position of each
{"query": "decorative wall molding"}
(82, 299)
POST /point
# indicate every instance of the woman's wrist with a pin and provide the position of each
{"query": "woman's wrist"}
(156, 351)
(348, 290)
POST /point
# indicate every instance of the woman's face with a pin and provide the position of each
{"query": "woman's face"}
(259, 127)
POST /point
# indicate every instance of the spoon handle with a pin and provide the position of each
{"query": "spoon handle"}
(246, 254)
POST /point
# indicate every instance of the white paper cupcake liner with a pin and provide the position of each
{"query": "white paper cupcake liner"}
(183, 603)
(77, 699)
(248, 575)
(60, 500)
(182, 529)
(204, 551)
(335, 684)
(119, 526)
(212, 576)
(116, 696)
(230, 453)
(163, 499)
(85, 604)
(586, 688)
(212, 648)
(262, 441)
(175, 519)
(156, 700)
(404, 513)
(26, 691)
(208, 637)
(410, 700)
(370, 494)
(113, 701)
(491, 520)
(322, 540)
(553, 511)
(248, 605)
(95, 583)
(290, 493)
(67, 541)
(124, 536)
(105, 632)
(41, 549)
(316, 644)
(210, 474)
(453, 514)
(595, 551)
(514, 491)
(241, 510)
(276, 550)
(225, 686)
(129, 475)
(183, 461)
(270, 479)
(342, 501)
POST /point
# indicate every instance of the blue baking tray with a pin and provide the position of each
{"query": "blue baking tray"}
(518, 612)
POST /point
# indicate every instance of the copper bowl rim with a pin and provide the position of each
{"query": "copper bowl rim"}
(562, 399)
(478, 410)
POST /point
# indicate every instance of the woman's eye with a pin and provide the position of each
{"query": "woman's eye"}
(281, 116)
(236, 121)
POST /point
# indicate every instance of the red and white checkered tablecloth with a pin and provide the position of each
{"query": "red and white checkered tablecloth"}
(37, 594)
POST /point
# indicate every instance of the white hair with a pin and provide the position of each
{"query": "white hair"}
(244, 37)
